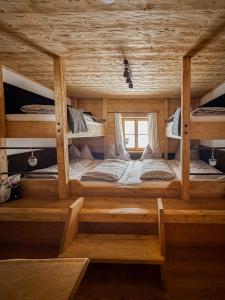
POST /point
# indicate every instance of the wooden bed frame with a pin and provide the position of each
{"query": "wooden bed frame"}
(46, 129)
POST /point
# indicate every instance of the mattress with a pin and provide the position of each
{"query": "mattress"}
(198, 166)
(207, 118)
(40, 118)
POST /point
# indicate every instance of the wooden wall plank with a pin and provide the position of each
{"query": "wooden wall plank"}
(3, 143)
(61, 127)
(185, 128)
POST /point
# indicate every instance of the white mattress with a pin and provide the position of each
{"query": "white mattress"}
(40, 118)
(207, 118)
(198, 166)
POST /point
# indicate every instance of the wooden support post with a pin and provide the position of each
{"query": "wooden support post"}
(161, 229)
(165, 124)
(185, 128)
(105, 117)
(3, 143)
(61, 127)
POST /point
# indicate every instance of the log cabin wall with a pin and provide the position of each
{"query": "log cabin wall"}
(95, 106)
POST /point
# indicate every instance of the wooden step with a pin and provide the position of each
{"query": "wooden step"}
(126, 215)
(116, 248)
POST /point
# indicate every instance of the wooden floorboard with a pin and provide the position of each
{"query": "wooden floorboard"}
(193, 273)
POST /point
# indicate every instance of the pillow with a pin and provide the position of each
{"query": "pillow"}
(111, 152)
(38, 109)
(122, 153)
(86, 153)
(74, 152)
(147, 153)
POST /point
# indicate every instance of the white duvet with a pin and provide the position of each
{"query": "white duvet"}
(157, 169)
(108, 170)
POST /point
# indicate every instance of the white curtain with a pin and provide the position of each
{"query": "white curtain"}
(119, 131)
(153, 138)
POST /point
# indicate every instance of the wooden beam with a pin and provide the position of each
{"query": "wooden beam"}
(3, 153)
(61, 127)
(185, 128)
(105, 117)
(166, 112)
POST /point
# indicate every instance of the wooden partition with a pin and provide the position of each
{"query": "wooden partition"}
(61, 127)
(3, 153)
(106, 108)
(185, 128)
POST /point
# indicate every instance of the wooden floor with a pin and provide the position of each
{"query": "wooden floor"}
(193, 274)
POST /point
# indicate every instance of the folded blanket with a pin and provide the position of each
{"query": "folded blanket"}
(157, 169)
(108, 170)
(76, 120)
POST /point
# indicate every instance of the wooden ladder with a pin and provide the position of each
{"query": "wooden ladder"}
(115, 248)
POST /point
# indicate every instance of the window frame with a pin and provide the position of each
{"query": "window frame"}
(135, 119)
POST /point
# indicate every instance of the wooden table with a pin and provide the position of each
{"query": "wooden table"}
(41, 279)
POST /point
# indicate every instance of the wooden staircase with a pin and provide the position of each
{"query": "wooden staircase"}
(115, 248)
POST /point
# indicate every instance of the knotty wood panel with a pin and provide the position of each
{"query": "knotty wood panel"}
(94, 38)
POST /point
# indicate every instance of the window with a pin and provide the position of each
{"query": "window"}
(135, 133)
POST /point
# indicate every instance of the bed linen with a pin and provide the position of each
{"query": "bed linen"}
(76, 169)
(108, 170)
(157, 169)
(198, 166)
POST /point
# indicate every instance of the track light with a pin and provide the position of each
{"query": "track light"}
(127, 73)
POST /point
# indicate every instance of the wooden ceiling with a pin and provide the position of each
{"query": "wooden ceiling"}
(94, 38)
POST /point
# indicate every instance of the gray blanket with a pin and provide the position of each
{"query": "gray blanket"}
(76, 120)
(176, 122)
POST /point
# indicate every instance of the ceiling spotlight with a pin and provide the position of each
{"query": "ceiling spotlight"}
(126, 73)
(107, 1)
(131, 85)
(128, 80)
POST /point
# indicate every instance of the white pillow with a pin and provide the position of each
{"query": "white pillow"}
(86, 153)
(147, 153)
(74, 152)
(111, 152)
(122, 153)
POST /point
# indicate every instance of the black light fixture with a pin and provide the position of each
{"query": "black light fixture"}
(128, 74)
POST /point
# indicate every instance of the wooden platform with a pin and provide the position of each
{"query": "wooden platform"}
(49, 209)
(118, 248)
(41, 279)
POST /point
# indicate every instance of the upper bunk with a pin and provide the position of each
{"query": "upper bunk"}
(206, 122)
(38, 119)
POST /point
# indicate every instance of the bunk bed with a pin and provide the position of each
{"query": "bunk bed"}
(25, 112)
(25, 126)
(206, 122)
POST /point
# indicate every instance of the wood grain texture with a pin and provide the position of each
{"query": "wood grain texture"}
(185, 128)
(210, 130)
(72, 224)
(41, 279)
(3, 141)
(94, 39)
(61, 127)
(116, 248)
